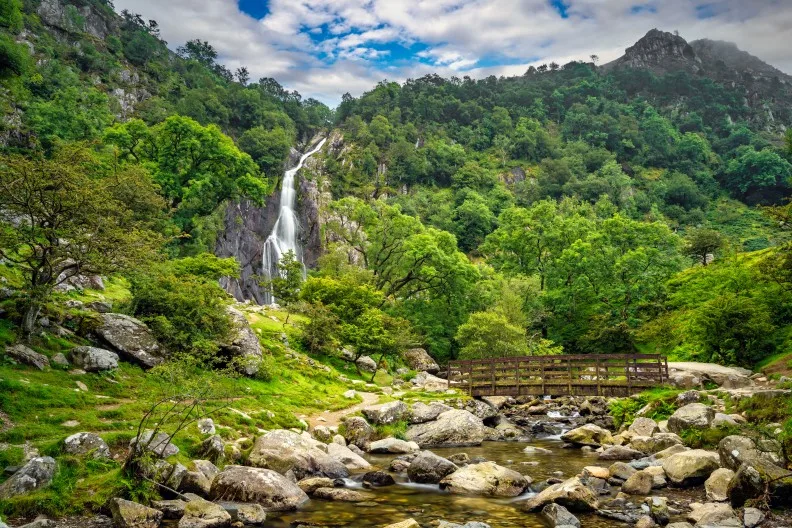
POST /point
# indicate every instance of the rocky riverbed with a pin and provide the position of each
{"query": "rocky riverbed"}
(498, 462)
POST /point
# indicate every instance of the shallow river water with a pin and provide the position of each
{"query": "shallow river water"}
(425, 503)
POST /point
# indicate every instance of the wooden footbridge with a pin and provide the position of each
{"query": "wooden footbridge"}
(566, 375)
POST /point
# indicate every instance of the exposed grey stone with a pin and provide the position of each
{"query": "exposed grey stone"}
(268, 488)
(27, 356)
(37, 473)
(85, 443)
(93, 359)
(132, 339)
(428, 468)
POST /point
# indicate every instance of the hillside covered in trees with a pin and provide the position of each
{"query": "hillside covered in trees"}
(580, 208)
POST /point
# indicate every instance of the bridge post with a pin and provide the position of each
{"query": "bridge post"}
(599, 384)
(518, 377)
(492, 377)
(470, 378)
(629, 376)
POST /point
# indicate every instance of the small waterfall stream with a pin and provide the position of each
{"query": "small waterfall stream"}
(284, 234)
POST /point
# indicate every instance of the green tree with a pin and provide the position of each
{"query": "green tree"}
(488, 335)
(755, 170)
(732, 329)
(285, 286)
(268, 148)
(58, 220)
(73, 114)
(702, 244)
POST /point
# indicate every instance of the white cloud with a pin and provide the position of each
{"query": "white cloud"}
(456, 34)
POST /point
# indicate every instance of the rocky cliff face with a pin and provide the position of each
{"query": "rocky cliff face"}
(660, 52)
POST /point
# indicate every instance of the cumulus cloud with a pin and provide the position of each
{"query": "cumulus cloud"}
(324, 48)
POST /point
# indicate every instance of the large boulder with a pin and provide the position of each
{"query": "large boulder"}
(557, 516)
(656, 443)
(393, 446)
(453, 428)
(726, 377)
(243, 345)
(755, 471)
(86, 443)
(245, 513)
(421, 412)
(429, 383)
(285, 451)
(572, 494)
(481, 409)
(132, 339)
(621, 453)
(691, 416)
(199, 513)
(639, 483)
(27, 356)
(128, 514)
(341, 495)
(386, 413)
(346, 456)
(93, 359)
(418, 359)
(717, 485)
(486, 478)
(357, 431)
(36, 474)
(642, 426)
(262, 486)
(428, 468)
(690, 468)
(366, 364)
(588, 435)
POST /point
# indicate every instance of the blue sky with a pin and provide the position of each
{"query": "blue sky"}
(324, 48)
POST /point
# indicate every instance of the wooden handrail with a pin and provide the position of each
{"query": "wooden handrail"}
(585, 374)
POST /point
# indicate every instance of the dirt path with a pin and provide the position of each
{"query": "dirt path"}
(333, 418)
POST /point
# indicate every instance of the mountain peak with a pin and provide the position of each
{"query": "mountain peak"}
(660, 52)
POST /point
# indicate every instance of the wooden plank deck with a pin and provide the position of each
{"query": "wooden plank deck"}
(566, 375)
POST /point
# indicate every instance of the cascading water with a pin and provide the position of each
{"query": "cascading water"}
(284, 234)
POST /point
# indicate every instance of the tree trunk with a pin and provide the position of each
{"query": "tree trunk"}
(29, 319)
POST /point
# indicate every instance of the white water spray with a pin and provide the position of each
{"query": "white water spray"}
(284, 234)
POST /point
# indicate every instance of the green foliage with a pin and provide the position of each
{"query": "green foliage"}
(184, 305)
(268, 148)
(661, 402)
(72, 114)
(708, 438)
(285, 286)
(14, 58)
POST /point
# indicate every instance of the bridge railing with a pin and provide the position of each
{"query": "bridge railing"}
(565, 375)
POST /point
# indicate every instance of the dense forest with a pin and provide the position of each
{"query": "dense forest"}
(574, 208)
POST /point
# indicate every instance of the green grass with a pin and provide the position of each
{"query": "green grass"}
(662, 401)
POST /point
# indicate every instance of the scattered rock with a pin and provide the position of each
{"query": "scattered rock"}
(717, 485)
(690, 468)
(428, 468)
(754, 469)
(160, 445)
(429, 383)
(245, 513)
(486, 478)
(366, 364)
(60, 360)
(656, 443)
(658, 509)
(341, 495)
(451, 429)
(378, 479)
(37, 473)
(271, 490)
(128, 514)
(132, 338)
(393, 445)
(86, 443)
(588, 435)
(753, 517)
(93, 359)
(558, 516)
(345, 455)
(621, 453)
(596, 472)
(27, 356)
(357, 431)
(691, 416)
(422, 413)
(171, 509)
(621, 471)
(206, 426)
(199, 513)
(572, 494)
(213, 448)
(639, 483)
(644, 427)
(386, 413)
(243, 346)
(409, 523)
(418, 359)
(311, 484)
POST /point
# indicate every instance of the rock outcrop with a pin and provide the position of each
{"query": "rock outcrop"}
(453, 428)
(132, 339)
(418, 359)
(268, 488)
(243, 346)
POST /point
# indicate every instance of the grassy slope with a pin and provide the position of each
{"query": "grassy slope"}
(36, 406)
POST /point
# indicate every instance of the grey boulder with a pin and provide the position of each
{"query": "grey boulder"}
(132, 339)
(93, 359)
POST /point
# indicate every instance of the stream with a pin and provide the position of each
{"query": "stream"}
(426, 503)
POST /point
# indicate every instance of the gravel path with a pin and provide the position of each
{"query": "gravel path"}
(334, 418)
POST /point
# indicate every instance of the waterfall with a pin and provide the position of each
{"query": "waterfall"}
(284, 234)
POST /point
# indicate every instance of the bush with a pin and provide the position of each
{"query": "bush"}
(14, 58)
